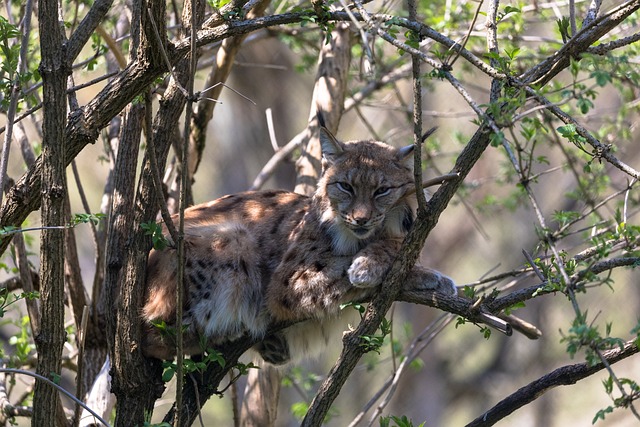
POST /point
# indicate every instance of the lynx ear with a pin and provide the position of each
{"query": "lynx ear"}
(331, 147)
(405, 151)
(404, 155)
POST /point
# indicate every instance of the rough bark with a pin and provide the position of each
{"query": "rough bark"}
(129, 371)
(47, 409)
(135, 380)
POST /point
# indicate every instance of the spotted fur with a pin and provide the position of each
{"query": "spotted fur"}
(257, 257)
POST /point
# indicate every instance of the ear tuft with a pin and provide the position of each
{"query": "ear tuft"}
(320, 118)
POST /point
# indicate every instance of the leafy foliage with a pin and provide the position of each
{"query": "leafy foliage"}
(558, 181)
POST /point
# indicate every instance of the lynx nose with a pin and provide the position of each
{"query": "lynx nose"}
(361, 221)
(360, 215)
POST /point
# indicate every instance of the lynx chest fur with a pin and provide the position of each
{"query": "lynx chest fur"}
(257, 257)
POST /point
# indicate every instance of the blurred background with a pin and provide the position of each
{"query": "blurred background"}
(460, 373)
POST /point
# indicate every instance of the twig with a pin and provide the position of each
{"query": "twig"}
(370, 63)
(86, 207)
(164, 55)
(276, 159)
(117, 54)
(572, 17)
(185, 178)
(13, 100)
(435, 181)
(533, 265)
(565, 375)
(56, 386)
(35, 108)
(228, 87)
(86, 28)
(466, 37)
(592, 12)
(33, 306)
(604, 48)
(525, 328)
(614, 377)
(601, 150)
(418, 139)
(272, 132)
(527, 293)
(7, 409)
(418, 344)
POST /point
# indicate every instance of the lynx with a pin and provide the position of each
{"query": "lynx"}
(258, 257)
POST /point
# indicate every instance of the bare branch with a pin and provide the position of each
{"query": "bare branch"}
(566, 375)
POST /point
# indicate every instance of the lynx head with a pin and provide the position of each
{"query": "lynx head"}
(362, 191)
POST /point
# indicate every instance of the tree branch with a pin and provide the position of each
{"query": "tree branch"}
(84, 125)
(565, 375)
(47, 407)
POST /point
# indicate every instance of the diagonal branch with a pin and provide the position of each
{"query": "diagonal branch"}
(565, 375)
(86, 28)
(84, 125)
(542, 73)
(425, 222)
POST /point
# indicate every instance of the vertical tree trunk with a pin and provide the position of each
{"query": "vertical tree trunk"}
(328, 97)
(50, 339)
(136, 381)
(261, 395)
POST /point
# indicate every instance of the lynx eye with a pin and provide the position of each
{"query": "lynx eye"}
(382, 191)
(346, 187)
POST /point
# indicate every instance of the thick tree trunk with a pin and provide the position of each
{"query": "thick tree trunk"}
(47, 409)
(136, 381)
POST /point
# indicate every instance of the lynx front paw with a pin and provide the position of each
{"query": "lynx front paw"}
(447, 285)
(434, 280)
(364, 274)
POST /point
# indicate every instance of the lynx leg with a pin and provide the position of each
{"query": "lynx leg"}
(371, 264)
(274, 349)
(422, 278)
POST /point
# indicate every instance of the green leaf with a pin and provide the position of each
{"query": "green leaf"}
(512, 53)
(168, 374)
(602, 77)
(469, 291)
(601, 414)
(83, 218)
(154, 230)
(563, 26)
(299, 409)
(514, 307)
(215, 356)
